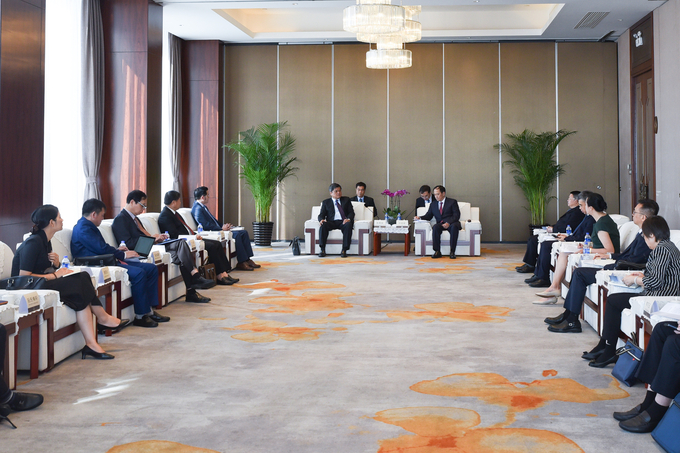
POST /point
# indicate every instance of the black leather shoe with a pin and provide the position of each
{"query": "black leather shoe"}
(88, 351)
(566, 327)
(641, 423)
(144, 321)
(224, 281)
(201, 283)
(24, 401)
(601, 363)
(634, 412)
(343, 254)
(235, 280)
(538, 283)
(452, 256)
(159, 318)
(556, 320)
(193, 296)
(591, 355)
(437, 254)
(525, 269)
(101, 328)
(322, 253)
(531, 279)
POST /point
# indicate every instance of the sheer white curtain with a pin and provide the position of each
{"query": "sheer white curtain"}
(64, 180)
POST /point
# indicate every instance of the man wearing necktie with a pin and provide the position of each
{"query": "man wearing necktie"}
(336, 214)
(361, 196)
(447, 214)
(172, 222)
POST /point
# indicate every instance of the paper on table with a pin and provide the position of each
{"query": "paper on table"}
(670, 310)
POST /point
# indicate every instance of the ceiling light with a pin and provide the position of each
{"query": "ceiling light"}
(388, 59)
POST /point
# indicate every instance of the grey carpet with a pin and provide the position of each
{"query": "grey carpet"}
(365, 354)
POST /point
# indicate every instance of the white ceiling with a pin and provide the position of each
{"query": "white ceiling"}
(305, 21)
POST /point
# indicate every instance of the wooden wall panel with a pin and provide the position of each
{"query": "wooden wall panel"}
(250, 99)
(305, 102)
(201, 133)
(22, 90)
(471, 91)
(527, 102)
(416, 123)
(131, 151)
(588, 105)
(360, 124)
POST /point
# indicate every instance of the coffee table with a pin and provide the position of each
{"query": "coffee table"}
(378, 231)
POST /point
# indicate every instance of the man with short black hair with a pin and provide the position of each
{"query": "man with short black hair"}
(127, 227)
(447, 214)
(361, 197)
(172, 222)
(336, 213)
(87, 240)
(203, 216)
(425, 198)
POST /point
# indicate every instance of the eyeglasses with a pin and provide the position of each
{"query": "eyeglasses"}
(142, 204)
(637, 212)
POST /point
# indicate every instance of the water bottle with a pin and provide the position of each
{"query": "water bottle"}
(387, 217)
(122, 245)
(166, 233)
(587, 242)
(399, 216)
(199, 230)
(568, 230)
(65, 263)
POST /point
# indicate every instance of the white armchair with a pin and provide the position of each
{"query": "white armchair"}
(362, 240)
(469, 238)
(222, 236)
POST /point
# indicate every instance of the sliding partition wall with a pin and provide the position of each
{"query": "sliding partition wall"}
(434, 123)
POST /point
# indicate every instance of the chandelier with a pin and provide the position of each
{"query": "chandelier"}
(387, 26)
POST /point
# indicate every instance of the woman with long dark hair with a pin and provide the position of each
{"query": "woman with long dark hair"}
(35, 257)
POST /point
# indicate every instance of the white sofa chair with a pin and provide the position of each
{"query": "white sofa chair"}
(225, 237)
(469, 238)
(362, 237)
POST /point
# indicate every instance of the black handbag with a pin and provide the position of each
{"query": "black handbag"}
(295, 244)
(22, 282)
(626, 366)
(96, 260)
(629, 266)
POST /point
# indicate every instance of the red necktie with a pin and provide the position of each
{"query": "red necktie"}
(179, 217)
(441, 207)
(340, 210)
(141, 228)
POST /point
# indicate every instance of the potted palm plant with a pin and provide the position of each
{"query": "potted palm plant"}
(534, 166)
(265, 161)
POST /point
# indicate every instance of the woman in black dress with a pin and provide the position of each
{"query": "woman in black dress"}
(35, 257)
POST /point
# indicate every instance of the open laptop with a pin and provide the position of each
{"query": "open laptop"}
(144, 244)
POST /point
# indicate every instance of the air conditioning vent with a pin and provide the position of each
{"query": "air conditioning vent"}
(591, 20)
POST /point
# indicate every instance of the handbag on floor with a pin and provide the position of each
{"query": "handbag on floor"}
(96, 260)
(666, 432)
(626, 366)
(295, 243)
(22, 282)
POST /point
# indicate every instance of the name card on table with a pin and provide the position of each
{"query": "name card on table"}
(156, 256)
(29, 302)
(192, 244)
(402, 223)
(104, 275)
(382, 223)
(223, 235)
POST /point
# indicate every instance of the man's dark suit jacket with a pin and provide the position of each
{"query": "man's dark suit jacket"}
(368, 202)
(87, 240)
(328, 209)
(204, 217)
(572, 217)
(125, 229)
(420, 203)
(636, 252)
(167, 221)
(450, 212)
(579, 234)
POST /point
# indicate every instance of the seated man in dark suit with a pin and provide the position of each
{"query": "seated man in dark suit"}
(447, 214)
(541, 277)
(572, 218)
(336, 213)
(361, 196)
(203, 217)
(637, 252)
(127, 227)
(172, 223)
(87, 240)
(425, 198)
(13, 401)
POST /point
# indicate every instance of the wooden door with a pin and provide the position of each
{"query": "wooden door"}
(643, 137)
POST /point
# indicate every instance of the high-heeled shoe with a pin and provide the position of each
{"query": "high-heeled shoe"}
(97, 355)
(101, 328)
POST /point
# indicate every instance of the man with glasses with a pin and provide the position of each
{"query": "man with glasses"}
(127, 227)
(637, 252)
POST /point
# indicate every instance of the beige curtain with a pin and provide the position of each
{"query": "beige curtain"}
(92, 101)
(175, 107)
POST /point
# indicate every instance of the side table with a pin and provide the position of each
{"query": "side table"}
(392, 229)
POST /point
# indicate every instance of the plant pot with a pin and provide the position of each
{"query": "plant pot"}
(262, 233)
(392, 220)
